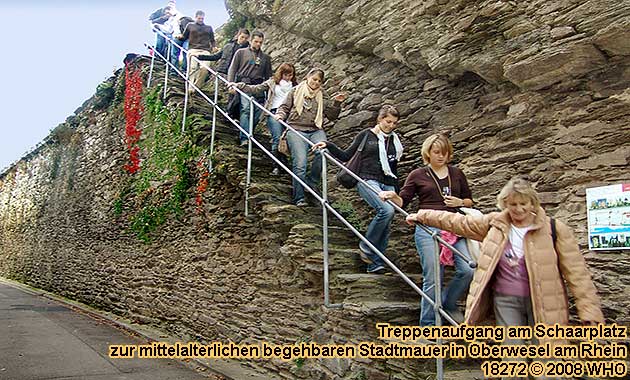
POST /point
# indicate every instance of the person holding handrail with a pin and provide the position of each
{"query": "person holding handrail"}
(277, 89)
(158, 18)
(526, 259)
(378, 167)
(304, 110)
(182, 46)
(200, 42)
(250, 66)
(439, 186)
(225, 55)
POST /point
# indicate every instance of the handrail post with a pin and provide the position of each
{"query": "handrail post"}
(168, 57)
(325, 230)
(249, 154)
(186, 87)
(437, 291)
(151, 68)
(214, 118)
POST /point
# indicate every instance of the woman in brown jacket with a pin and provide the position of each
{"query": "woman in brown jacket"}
(520, 272)
(304, 109)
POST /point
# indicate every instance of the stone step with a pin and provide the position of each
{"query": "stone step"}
(361, 288)
(394, 312)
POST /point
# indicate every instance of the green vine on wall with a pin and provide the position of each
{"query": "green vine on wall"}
(162, 185)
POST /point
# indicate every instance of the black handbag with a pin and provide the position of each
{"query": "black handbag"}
(234, 106)
(353, 165)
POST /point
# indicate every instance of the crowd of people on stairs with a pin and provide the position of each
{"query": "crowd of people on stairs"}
(526, 257)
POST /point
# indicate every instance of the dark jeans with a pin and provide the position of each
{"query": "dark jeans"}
(244, 120)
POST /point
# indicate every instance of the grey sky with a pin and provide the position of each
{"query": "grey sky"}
(57, 52)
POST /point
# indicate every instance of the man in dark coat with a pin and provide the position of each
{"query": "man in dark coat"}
(227, 53)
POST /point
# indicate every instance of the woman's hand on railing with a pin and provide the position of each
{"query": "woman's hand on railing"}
(339, 97)
(277, 117)
(318, 146)
(411, 219)
(418, 217)
(387, 195)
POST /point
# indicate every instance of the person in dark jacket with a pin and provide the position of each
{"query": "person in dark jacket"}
(200, 42)
(439, 186)
(250, 66)
(379, 160)
(240, 41)
(181, 45)
(160, 17)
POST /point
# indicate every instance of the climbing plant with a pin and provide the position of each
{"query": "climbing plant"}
(160, 186)
(133, 114)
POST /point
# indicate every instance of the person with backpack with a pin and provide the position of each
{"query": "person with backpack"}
(526, 259)
(180, 45)
(380, 150)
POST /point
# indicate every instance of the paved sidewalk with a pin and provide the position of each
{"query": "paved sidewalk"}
(43, 339)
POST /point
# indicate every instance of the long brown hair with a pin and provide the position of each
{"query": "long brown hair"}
(284, 68)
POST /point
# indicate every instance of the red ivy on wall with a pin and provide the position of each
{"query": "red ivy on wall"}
(202, 183)
(133, 113)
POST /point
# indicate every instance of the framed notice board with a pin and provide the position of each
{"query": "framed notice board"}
(608, 217)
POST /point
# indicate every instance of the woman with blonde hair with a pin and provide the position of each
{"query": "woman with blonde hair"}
(439, 186)
(526, 258)
(304, 110)
(277, 88)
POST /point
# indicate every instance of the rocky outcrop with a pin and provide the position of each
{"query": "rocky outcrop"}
(522, 88)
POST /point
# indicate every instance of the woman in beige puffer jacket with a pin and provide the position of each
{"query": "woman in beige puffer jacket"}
(545, 268)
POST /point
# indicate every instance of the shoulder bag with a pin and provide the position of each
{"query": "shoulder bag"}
(354, 163)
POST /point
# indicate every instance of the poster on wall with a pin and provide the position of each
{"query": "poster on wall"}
(608, 217)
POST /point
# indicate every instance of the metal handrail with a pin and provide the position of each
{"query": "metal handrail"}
(321, 199)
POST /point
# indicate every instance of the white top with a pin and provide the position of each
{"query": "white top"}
(280, 92)
(516, 236)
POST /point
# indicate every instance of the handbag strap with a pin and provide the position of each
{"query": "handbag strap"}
(362, 145)
(554, 234)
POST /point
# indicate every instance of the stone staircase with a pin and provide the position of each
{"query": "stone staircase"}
(365, 299)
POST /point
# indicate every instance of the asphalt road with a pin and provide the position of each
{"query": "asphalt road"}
(43, 339)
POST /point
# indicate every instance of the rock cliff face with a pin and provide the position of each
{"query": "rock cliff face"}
(522, 88)
(533, 88)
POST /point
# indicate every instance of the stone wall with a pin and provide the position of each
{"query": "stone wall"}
(538, 89)
(533, 88)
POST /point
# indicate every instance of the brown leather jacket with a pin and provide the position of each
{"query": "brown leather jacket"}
(548, 268)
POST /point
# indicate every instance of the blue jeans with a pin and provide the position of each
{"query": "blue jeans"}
(455, 289)
(299, 155)
(378, 230)
(276, 129)
(184, 60)
(160, 45)
(244, 120)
